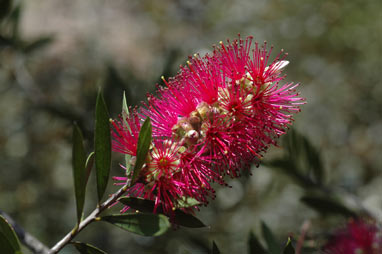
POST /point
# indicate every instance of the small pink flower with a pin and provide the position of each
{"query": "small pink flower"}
(358, 237)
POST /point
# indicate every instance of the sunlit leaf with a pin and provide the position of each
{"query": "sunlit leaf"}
(145, 224)
(125, 115)
(102, 144)
(89, 165)
(288, 249)
(187, 202)
(85, 248)
(254, 245)
(9, 243)
(144, 142)
(270, 239)
(79, 172)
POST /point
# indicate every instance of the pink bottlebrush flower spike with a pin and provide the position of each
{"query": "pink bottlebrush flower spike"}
(358, 237)
(218, 115)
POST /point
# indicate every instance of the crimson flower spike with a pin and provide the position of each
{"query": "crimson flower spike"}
(216, 117)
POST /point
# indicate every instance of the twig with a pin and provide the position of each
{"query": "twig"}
(304, 229)
(25, 238)
(92, 217)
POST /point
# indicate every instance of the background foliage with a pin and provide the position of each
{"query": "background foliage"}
(54, 55)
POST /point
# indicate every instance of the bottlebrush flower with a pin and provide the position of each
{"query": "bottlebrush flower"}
(218, 115)
(125, 136)
(358, 237)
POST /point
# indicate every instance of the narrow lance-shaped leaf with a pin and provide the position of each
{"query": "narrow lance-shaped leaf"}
(326, 205)
(288, 249)
(270, 239)
(139, 204)
(254, 245)
(89, 165)
(145, 224)
(187, 220)
(79, 172)
(304, 156)
(9, 243)
(314, 161)
(215, 249)
(125, 114)
(180, 218)
(125, 108)
(102, 144)
(85, 248)
(144, 142)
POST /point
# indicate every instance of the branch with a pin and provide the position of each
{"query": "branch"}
(26, 239)
(92, 217)
(304, 229)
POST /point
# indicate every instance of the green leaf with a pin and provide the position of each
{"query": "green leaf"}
(145, 224)
(187, 220)
(187, 202)
(254, 245)
(304, 155)
(85, 248)
(215, 249)
(180, 218)
(89, 165)
(139, 204)
(314, 160)
(125, 108)
(9, 242)
(270, 239)
(144, 142)
(302, 161)
(79, 172)
(125, 114)
(288, 167)
(102, 144)
(288, 249)
(327, 205)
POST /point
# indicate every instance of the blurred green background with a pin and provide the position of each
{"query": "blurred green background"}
(55, 54)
